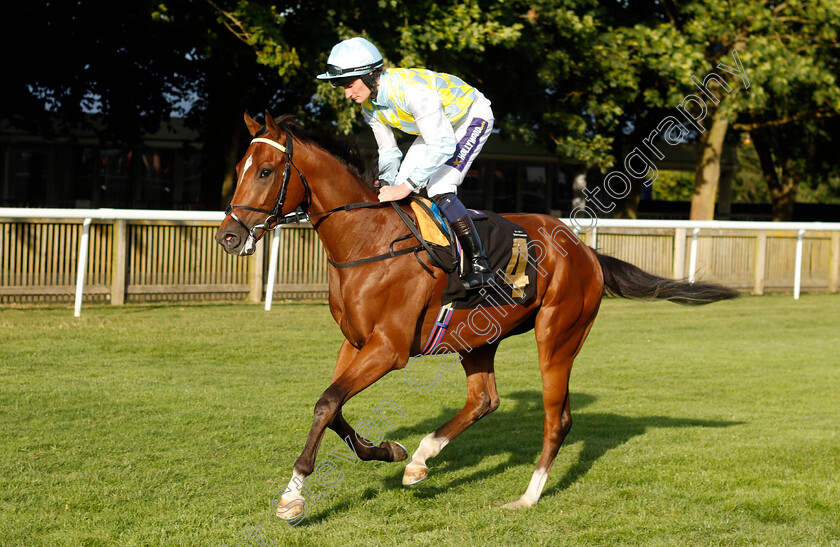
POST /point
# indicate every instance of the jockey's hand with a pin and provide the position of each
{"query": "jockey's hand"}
(394, 193)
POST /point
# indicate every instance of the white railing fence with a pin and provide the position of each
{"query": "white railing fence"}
(676, 231)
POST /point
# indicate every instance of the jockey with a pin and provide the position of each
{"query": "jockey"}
(451, 119)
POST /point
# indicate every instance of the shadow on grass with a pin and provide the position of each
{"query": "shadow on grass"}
(517, 431)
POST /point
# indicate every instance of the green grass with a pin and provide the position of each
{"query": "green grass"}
(168, 425)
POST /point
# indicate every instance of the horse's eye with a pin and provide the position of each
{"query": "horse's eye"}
(265, 173)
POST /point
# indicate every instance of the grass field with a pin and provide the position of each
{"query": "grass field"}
(168, 425)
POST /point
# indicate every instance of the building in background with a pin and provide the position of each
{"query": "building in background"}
(165, 172)
(79, 172)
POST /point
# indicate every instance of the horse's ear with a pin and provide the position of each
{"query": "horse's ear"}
(270, 125)
(253, 126)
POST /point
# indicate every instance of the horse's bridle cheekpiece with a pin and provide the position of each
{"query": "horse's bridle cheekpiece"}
(273, 219)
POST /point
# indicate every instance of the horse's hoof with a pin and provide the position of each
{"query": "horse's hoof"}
(521, 503)
(398, 452)
(291, 509)
(414, 474)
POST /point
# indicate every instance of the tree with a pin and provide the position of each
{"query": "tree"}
(124, 71)
(531, 58)
(588, 79)
(793, 153)
(788, 54)
(87, 57)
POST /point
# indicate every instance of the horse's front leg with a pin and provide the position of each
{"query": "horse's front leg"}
(355, 370)
(387, 451)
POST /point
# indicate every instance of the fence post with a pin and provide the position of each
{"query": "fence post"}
(679, 253)
(119, 256)
(760, 262)
(272, 267)
(82, 267)
(834, 263)
(692, 261)
(255, 273)
(797, 276)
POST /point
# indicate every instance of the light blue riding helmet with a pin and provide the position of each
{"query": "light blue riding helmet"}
(351, 59)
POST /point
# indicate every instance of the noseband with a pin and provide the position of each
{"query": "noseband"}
(273, 218)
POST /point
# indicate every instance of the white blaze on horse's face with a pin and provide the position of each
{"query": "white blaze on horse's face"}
(250, 242)
(248, 162)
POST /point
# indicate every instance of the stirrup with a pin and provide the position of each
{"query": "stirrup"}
(480, 276)
(477, 280)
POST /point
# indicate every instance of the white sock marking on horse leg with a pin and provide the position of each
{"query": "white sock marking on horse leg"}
(416, 469)
(429, 447)
(291, 503)
(295, 485)
(532, 494)
(535, 487)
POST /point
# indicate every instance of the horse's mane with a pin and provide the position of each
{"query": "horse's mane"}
(346, 152)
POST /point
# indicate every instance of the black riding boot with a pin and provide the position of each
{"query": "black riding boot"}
(480, 274)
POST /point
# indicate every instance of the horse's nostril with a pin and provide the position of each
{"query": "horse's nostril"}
(228, 240)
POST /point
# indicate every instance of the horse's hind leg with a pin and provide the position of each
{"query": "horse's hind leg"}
(557, 350)
(557, 423)
(482, 399)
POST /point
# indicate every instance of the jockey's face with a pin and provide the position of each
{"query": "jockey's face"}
(356, 91)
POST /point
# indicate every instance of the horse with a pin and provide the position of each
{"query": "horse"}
(386, 303)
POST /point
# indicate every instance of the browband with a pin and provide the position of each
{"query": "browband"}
(270, 142)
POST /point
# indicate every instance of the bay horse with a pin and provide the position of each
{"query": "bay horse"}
(386, 307)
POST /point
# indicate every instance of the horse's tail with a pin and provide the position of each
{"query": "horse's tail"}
(628, 281)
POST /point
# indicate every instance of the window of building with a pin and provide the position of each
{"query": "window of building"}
(26, 180)
(113, 188)
(156, 178)
(534, 192)
(188, 193)
(472, 192)
(562, 193)
(504, 186)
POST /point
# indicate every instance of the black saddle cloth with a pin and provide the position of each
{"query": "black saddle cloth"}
(511, 259)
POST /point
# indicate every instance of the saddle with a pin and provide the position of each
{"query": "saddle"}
(507, 246)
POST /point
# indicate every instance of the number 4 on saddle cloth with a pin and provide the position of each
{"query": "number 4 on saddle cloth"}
(508, 251)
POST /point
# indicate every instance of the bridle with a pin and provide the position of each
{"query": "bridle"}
(273, 219)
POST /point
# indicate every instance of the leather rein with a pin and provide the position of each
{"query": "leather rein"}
(274, 219)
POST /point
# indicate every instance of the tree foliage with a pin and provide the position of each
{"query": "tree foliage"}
(587, 79)
(788, 50)
(67, 59)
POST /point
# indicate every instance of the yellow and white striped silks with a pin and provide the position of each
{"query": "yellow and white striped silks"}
(391, 107)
